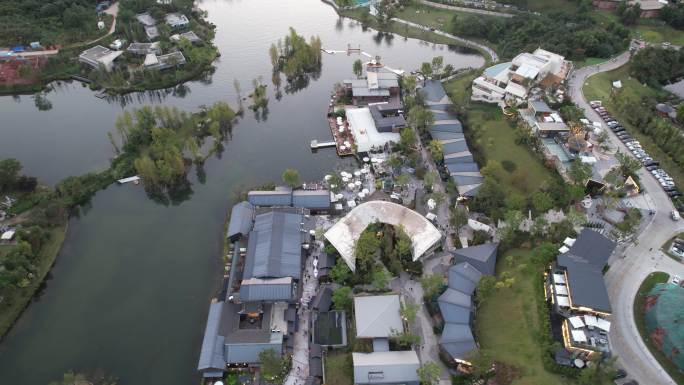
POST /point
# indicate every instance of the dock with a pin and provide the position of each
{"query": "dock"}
(134, 179)
(316, 144)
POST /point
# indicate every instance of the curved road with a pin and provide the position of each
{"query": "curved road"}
(465, 9)
(490, 52)
(628, 271)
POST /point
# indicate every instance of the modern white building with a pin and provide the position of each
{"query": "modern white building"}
(176, 20)
(513, 80)
(99, 56)
(366, 134)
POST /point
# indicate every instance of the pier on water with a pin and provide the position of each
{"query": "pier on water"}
(316, 144)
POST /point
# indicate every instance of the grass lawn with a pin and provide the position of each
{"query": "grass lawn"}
(338, 368)
(548, 5)
(598, 87)
(666, 247)
(458, 88)
(12, 307)
(646, 286)
(506, 326)
(495, 139)
(647, 30)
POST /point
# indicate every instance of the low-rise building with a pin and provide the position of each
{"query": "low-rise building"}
(99, 56)
(143, 49)
(576, 289)
(513, 80)
(542, 120)
(399, 367)
(162, 62)
(146, 19)
(379, 85)
(176, 20)
(190, 36)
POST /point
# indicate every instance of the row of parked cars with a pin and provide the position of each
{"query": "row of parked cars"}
(653, 166)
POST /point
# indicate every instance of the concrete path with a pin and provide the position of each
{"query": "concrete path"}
(629, 268)
(114, 11)
(492, 54)
(300, 356)
(464, 9)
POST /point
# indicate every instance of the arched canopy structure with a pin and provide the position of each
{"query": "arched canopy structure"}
(345, 233)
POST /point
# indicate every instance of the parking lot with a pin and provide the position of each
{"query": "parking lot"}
(652, 165)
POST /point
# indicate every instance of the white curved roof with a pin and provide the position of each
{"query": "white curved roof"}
(344, 234)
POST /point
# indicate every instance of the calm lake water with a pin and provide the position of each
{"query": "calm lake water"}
(129, 293)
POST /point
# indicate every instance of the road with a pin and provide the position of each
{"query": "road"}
(492, 54)
(468, 10)
(114, 11)
(628, 271)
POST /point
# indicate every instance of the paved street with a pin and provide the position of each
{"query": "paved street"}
(630, 268)
(465, 9)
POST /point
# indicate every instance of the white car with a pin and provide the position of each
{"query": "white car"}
(676, 280)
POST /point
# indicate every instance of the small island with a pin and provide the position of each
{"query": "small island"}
(142, 45)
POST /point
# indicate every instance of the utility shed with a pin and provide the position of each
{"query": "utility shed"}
(274, 249)
(399, 367)
(482, 257)
(240, 224)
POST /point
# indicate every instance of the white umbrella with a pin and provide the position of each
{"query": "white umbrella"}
(366, 159)
(374, 160)
(328, 177)
(351, 186)
(345, 179)
(339, 196)
(365, 191)
(361, 194)
(312, 232)
(315, 262)
(315, 273)
(341, 129)
(343, 148)
(380, 160)
(346, 143)
(357, 173)
(358, 183)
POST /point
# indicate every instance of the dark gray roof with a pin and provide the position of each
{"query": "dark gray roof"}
(454, 313)
(584, 263)
(311, 199)
(457, 340)
(385, 122)
(274, 246)
(249, 353)
(451, 148)
(450, 127)
(446, 135)
(461, 159)
(315, 350)
(482, 257)
(466, 180)
(323, 299)
(462, 167)
(464, 278)
(456, 297)
(240, 219)
(316, 367)
(211, 354)
(270, 198)
(279, 289)
(592, 248)
(326, 261)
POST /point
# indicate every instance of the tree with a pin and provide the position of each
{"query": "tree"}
(403, 244)
(342, 299)
(407, 140)
(291, 177)
(429, 373)
(542, 202)
(579, 172)
(366, 249)
(539, 226)
(409, 84)
(628, 165)
(9, 173)
(272, 366)
(426, 69)
(404, 338)
(432, 284)
(436, 151)
(459, 218)
(481, 364)
(490, 198)
(340, 272)
(358, 68)
(485, 288)
(409, 311)
(429, 179)
(437, 63)
(380, 278)
(421, 118)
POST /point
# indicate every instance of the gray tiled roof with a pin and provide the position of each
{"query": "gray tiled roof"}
(454, 313)
(211, 354)
(267, 290)
(240, 219)
(456, 297)
(311, 199)
(274, 246)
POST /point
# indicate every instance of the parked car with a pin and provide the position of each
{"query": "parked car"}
(676, 280)
(651, 167)
(619, 374)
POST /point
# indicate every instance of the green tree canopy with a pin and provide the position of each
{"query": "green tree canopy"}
(342, 299)
(291, 177)
(429, 373)
(272, 366)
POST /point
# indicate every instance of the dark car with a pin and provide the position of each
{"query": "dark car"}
(651, 167)
(619, 374)
(618, 129)
(674, 194)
